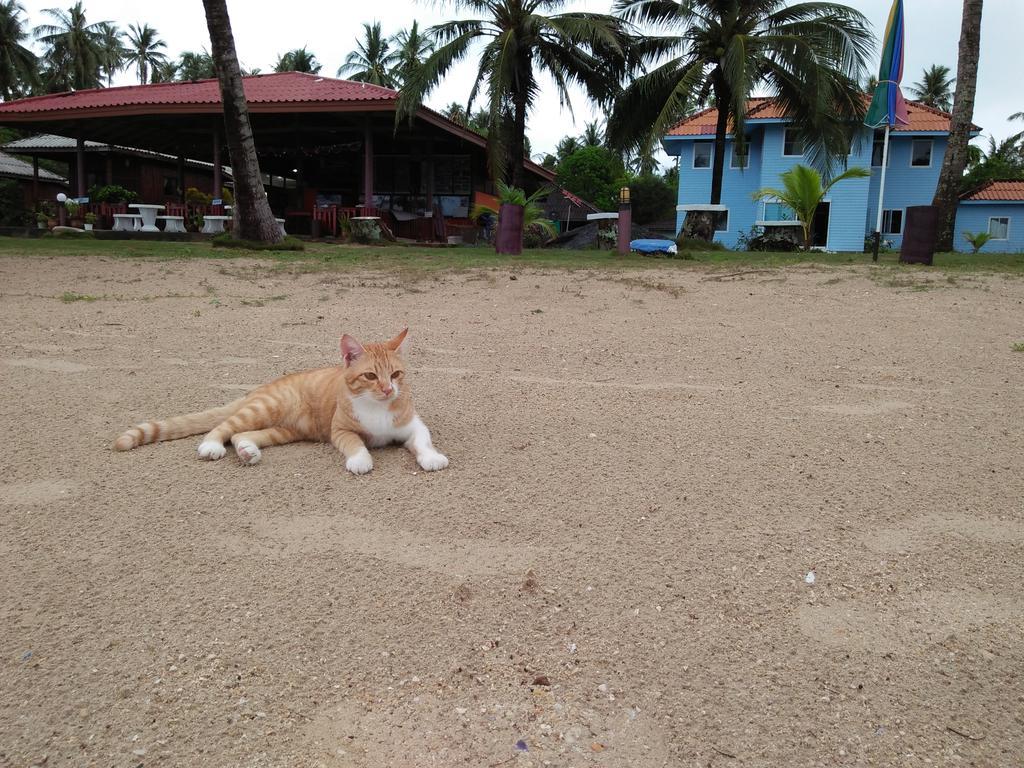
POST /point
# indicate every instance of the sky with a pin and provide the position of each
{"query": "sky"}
(264, 29)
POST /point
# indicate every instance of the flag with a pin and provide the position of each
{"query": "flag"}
(887, 105)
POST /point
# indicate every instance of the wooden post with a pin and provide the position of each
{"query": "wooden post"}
(110, 168)
(217, 182)
(80, 164)
(367, 167)
(181, 176)
(35, 180)
(430, 175)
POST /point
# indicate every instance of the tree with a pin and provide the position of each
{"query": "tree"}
(803, 192)
(298, 60)
(812, 56)
(521, 39)
(410, 47)
(369, 62)
(652, 199)
(144, 50)
(1003, 160)
(17, 62)
(164, 73)
(960, 125)
(195, 66)
(112, 50)
(74, 57)
(569, 145)
(253, 218)
(456, 113)
(595, 174)
(593, 135)
(935, 88)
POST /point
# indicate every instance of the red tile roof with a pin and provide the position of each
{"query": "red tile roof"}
(281, 88)
(1000, 190)
(920, 116)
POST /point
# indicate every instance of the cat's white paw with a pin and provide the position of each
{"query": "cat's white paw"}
(431, 461)
(248, 452)
(360, 463)
(211, 450)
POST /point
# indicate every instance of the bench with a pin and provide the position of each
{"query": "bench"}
(173, 223)
(213, 225)
(127, 222)
(281, 222)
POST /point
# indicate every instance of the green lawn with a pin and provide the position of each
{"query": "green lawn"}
(333, 256)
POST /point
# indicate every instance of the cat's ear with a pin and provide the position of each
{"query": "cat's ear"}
(351, 349)
(397, 344)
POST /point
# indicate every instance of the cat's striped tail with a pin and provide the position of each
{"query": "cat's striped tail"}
(175, 427)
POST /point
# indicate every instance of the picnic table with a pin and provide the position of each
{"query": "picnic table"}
(148, 213)
(127, 222)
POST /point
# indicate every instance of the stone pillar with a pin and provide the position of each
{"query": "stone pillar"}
(80, 165)
(625, 222)
(367, 166)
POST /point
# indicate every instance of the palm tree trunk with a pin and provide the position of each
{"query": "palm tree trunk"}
(253, 218)
(947, 191)
(722, 97)
(517, 150)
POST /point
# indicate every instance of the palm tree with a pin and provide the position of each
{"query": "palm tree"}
(811, 55)
(112, 50)
(593, 135)
(569, 145)
(411, 47)
(803, 192)
(164, 73)
(955, 160)
(456, 113)
(298, 60)
(935, 88)
(74, 55)
(144, 51)
(253, 218)
(17, 62)
(195, 66)
(368, 63)
(521, 39)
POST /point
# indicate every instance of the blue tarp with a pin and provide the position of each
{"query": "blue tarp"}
(652, 246)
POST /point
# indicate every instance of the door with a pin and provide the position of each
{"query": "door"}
(819, 226)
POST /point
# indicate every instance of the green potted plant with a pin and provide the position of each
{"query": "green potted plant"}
(516, 213)
(74, 211)
(90, 221)
(42, 219)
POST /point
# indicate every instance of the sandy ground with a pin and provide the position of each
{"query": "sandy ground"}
(644, 469)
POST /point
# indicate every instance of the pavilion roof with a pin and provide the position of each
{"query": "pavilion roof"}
(16, 168)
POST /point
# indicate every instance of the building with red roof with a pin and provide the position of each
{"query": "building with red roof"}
(322, 142)
(996, 207)
(774, 145)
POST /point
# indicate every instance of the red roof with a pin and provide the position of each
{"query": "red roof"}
(261, 91)
(1000, 191)
(920, 116)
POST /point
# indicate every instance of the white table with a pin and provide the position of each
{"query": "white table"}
(213, 225)
(127, 222)
(173, 223)
(148, 213)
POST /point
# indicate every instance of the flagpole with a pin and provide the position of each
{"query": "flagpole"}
(881, 193)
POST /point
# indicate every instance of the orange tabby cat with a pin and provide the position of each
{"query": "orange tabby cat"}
(363, 402)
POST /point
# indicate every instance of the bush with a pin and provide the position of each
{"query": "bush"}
(653, 199)
(227, 240)
(535, 236)
(595, 174)
(12, 204)
(696, 245)
(194, 197)
(112, 193)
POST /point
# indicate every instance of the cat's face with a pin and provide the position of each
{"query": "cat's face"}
(376, 370)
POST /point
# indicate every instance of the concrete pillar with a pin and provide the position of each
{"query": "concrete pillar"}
(367, 165)
(625, 222)
(80, 165)
(217, 182)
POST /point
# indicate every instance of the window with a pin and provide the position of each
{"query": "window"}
(740, 159)
(921, 153)
(171, 185)
(778, 212)
(721, 221)
(702, 154)
(792, 143)
(878, 149)
(999, 227)
(892, 222)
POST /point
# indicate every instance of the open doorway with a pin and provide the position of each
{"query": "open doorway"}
(819, 225)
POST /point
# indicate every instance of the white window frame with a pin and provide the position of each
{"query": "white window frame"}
(711, 155)
(888, 212)
(775, 201)
(733, 156)
(931, 152)
(999, 218)
(784, 142)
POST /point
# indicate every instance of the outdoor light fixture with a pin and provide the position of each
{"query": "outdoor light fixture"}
(624, 195)
(61, 197)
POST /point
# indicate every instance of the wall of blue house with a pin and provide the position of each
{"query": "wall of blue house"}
(974, 217)
(905, 185)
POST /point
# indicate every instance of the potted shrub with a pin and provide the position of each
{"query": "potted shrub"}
(90, 221)
(74, 211)
(42, 219)
(516, 212)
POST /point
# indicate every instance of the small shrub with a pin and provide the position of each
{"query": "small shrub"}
(112, 193)
(227, 240)
(977, 241)
(535, 236)
(696, 245)
(1017, 346)
(194, 197)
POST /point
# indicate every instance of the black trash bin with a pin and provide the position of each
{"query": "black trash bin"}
(920, 230)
